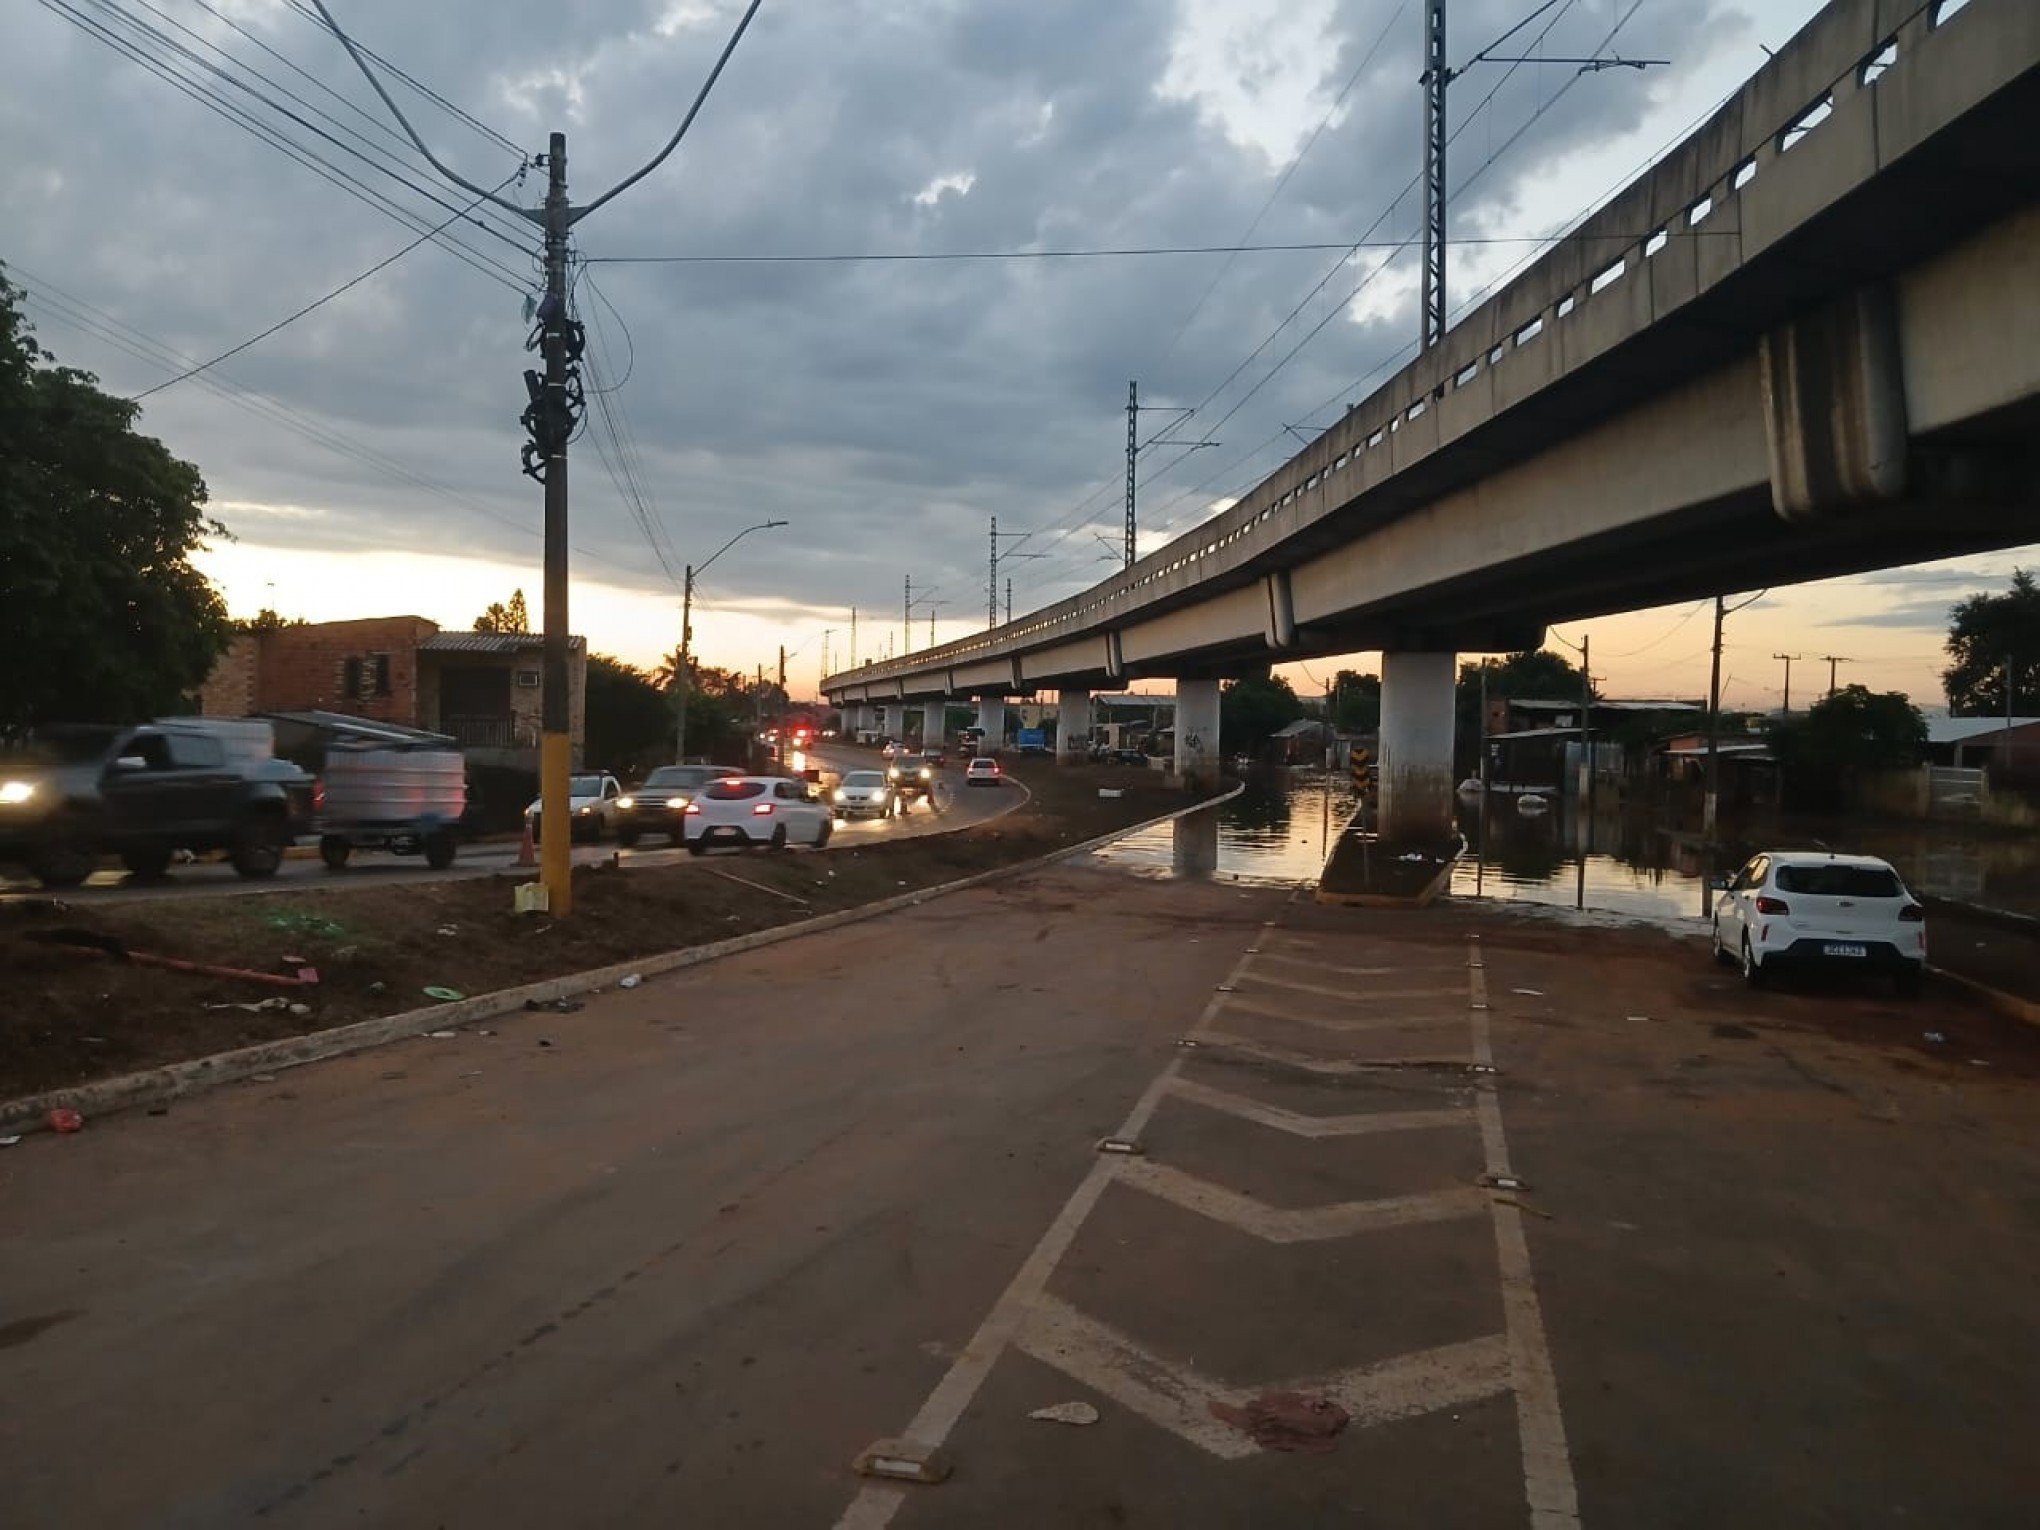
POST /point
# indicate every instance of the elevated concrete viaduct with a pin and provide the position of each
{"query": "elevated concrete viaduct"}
(1805, 343)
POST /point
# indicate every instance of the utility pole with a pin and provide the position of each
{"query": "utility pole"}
(1586, 724)
(1831, 660)
(1009, 601)
(931, 626)
(827, 633)
(779, 710)
(1132, 460)
(1438, 75)
(853, 637)
(992, 580)
(1790, 659)
(550, 416)
(1711, 800)
(683, 678)
(907, 618)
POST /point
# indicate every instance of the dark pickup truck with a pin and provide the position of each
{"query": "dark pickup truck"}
(144, 793)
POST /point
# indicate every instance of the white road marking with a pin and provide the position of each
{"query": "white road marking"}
(1179, 1398)
(1299, 1125)
(1307, 1224)
(1547, 1464)
(877, 1502)
(1350, 994)
(1307, 1062)
(1248, 1004)
(1325, 966)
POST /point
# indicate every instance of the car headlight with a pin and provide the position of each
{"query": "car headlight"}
(676, 802)
(12, 792)
(583, 812)
(925, 774)
(626, 803)
(840, 795)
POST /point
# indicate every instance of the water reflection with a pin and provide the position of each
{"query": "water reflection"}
(1278, 830)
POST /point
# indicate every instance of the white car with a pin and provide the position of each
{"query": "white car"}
(1808, 908)
(866, 794)
(591, 799)
(983, 771)
(756, 810)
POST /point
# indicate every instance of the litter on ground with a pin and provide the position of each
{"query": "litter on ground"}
(1066, 1413)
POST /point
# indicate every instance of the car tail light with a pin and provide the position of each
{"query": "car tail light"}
(319, 795)
(1912, 913)
(694, 807)
(761, 810)
(1772, 906)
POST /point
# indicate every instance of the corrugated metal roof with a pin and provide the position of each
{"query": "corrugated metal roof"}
(507, 643)
(1958, 730)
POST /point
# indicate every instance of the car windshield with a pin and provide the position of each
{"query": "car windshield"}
(1829, 879)
(689, 776)
(864, 778)
(584, 786)
(733, 791)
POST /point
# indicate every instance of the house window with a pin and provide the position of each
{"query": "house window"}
(379, 673)
(350, 678)
(527, 679)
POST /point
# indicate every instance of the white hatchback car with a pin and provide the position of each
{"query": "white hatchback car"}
(1807, 908)
(755, 810)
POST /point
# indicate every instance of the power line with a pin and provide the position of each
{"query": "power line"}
(848, 257)
(316, 303)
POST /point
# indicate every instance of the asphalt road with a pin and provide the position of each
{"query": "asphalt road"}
(679, 1257)
(954, 807)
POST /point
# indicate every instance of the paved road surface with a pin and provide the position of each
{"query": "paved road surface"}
(956, 807)
(1772, 1265)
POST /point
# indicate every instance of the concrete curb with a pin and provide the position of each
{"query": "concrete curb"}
(2008, 1004)
(173, 1081)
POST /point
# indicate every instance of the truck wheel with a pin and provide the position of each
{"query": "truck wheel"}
(439, 849)
(146, 863)
(258, 847)
(334, 850)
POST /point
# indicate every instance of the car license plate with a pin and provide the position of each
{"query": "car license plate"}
(1844, 950)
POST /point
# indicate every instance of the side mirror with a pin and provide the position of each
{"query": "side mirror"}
(130, 762)
(1718, 884)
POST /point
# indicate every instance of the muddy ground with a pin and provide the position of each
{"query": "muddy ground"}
(71, 1015)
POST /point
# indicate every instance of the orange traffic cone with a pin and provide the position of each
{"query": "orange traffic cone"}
(527, 851)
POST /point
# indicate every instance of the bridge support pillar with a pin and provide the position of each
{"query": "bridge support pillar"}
(1416, 746)
(934, 724)
(892, 720)
(992, 718)
(1072, 727)
(1197, 756)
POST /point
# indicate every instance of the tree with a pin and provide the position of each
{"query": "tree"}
(629, 720)
(1355, 702)
(1824, 749)
(1988, 635)
(102, 614)
(1252, 709)
(514, 617)
(268, 620)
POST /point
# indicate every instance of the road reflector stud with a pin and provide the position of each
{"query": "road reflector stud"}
(1503, 1182)
(903, 1461)
(1120, 1145)
(1188, 1044)
(1225, 988)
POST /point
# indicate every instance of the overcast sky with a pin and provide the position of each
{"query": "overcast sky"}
(365, 456)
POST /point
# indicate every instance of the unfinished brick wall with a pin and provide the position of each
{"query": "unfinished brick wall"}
(229, 691)
(304, 667)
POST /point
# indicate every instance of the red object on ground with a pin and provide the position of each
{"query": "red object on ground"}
(65, 1121)
(527, 850)
(1287, 1421)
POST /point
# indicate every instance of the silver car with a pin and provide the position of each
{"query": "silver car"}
(865, 794)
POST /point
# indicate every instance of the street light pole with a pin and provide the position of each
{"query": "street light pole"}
(683, 678)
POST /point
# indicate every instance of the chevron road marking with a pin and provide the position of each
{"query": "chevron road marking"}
(1179, 1398)
(1351, 996)
(1305, 1062)
(1246, 1003)
(1265, 955)
(1299, 1125)
(1309, 1224)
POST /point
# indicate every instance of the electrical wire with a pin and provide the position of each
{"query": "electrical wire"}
(316, 303)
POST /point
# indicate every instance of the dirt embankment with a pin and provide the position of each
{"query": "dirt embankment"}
(71, 1015)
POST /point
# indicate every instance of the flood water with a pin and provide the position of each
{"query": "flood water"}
(1281, 829)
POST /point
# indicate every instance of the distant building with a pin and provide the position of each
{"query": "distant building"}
(482, 689)
(2009, 748)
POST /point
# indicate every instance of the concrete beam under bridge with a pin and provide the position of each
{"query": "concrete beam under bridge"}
(1416, 746)
(1073, 727)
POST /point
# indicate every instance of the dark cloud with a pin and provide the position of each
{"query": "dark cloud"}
(885, 409)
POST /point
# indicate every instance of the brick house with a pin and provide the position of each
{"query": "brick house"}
(484, 689)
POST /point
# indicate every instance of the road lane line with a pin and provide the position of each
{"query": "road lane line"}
(1547, 1464)
(1299, 1125)
(876, 1503)
(1323, 966)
